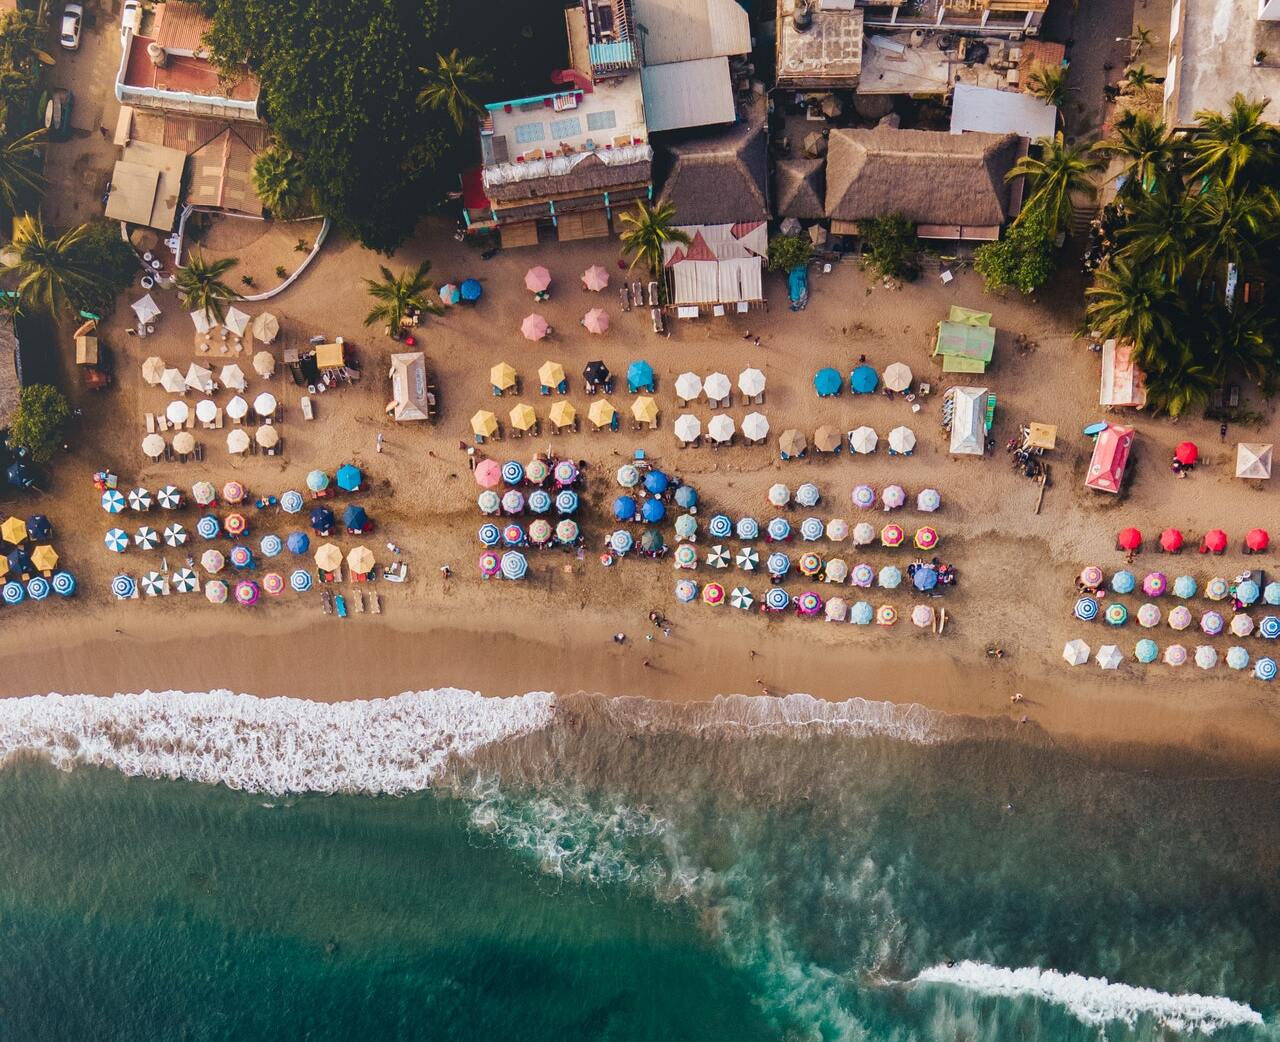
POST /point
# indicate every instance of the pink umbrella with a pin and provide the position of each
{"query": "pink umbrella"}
(595, 278)
(488, 473)
(534, 327)
(596, 321)
(537, 279)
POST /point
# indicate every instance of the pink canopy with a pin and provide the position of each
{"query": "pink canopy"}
(488, 473)
(1110, 457)
(534, 327)
(537, 279)
(595, 278)
(596, 321)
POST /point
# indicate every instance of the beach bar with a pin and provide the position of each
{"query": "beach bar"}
(968, 421)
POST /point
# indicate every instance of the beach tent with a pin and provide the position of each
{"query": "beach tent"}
(968, 421)
(1123, 383)
(1253, 460)
(1110, 458)
(204, 321)
(146, 309)
(410, 397)
(236, 321)
(966, 341)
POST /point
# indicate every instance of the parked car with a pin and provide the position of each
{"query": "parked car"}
(57, 113)
(130, 18)
(72, 20)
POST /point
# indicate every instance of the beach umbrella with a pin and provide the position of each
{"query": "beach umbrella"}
(360, 560)
(621, 542)
(203, 493)
(140, 499)
(863, 380)
(471, 290)
(861, 613)
(1247, 592)
(20, 475)
(1076, 652)
(298, 542)
(720, 429)
(926, 538)
(596, 321)
(267, 437)
(836, 571)
(1271, 593)
(537, 471)
(1186, 453)
(484, 424)
(534, 327)
(892, 535)
(1265, 669)
(864, 496)
(902, 440)
(740, 598)
(1146, 650)
(628, 476)
(550, 375)
(271, 546)
(863, 575)
(827, 382)
(489, 534)
(755, 426)
(928, 500)
(1206, 656)
(1269, 627)
(792, 442)
(567, 502)
(645, 410)
(595, 278)
(748, 559)
(62, 583)
(686, 556)
(778, 530)
(713, 593)
(212, 561)
(273, 584)
(1237, 657)
(173, 381)
(1154, 584)
(153, 584)
(349, 478)
(512, 502)
(1148, 615)
(886, 615)
(624, 508)
(513, 535)
(206, 412)
(236, 524)
(184, 442)
(747, 528)
(1241, 625)
(232, 376)
(449, 294)
(112, 501)
(639, 375)
(116, 540)
(686, 590)
(686, 526)
(488, 473)
(1216, 589)
(185, 580)
(566, 531)
(565, 472)
(1180, 617)
(720, 527)
(241, 556)
(1175, 655)
(247, 593)
(687, 428)
(300, 580)
(890, 577)
(1086, 609)
(175, 535)
(779, 495)
(602, 413)
(237, 408)
(893, 497)
(169, 497)
(778, 564)
(512, 472)
(1116, 614)
(1211, 623)
(537, 279)
(37, 527)
(237, 441)
(152, 370)
(266, 327)
(355, 518)
(653, 511)
(777, 599)
(812, 529)
(686, 497)
(1214, 541)
(826, 438)
(807, 495)
(233, 492)
(18, 560)
(925, 578)
(1257, 540)
(1129, 539)
(1091, 576)
(897, 377)
(208, 527)
(539, 501)
(328, 557)
(38, 587)
(14, 592)
(751, 382)
(153, 446)
(1171, 540)
(1184, 586)
(863, 440)
(837, 529)
(688, 386)
(146, 537)
(864, 534)
(1109, 656)
(1123, 582)
(651, 541)
(810, 564)
(808, 603)
(922, 615)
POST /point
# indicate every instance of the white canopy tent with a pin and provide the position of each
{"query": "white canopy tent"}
(968, 421)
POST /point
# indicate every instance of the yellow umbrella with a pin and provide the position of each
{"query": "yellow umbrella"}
(360, 560)
(14, 530)
(551, 374)
(328, 558)
(502, 376)
(601, 412)
(563, 414)
(484, 423)
(644, 409)
(44, 558)
(523, 417)
(4, 567)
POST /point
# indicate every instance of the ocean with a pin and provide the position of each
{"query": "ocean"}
(209, 866)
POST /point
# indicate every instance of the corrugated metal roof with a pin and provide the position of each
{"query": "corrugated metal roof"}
(687, 30)
(993, 111)
(687, 94)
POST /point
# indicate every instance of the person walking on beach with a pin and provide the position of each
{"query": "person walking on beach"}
(378, 443)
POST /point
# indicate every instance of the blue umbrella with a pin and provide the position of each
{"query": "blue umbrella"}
(1086, 609)
(1123, 582)
(778, 564)
(890, 577)
(321, 519)
(20, 475)
(539, 501)
(19, 561)
(777, 599)
(1269, 627)
(720, 526)
(686, 526)
(748, 528)
(566, 501)
(1184, 586)
(355, 517)
(686, 497)
(471, 290)
(812, 529)
(1265, 668)
(112, 501)
(514, 565)
(291, 502)
(925, 579)
(38, 588)
(13, 593)
(489, 535)
(208, 527)
(64, 584)
(1146, 650)
(653, 511)
(1271, 593)
(123, 586)
(38, 527)
(779, 528)
(270, 545)
(298, 542)
(656, 482)
(348, 477)
(1247, 592)
(512, 472)
(639, 375)
(861, 613)
(863, 380)
(117, 540)
(624, 508)
(807, 495)
(828, 382)
(317, 481)
(300, 580)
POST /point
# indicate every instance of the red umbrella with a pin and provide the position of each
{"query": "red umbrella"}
(1186, 453)
(1129, 539)
(1171, 540)
(1257, 540)
(1214, 542)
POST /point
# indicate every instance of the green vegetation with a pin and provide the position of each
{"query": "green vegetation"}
(280, 182)
(20, 179)
(789, 251)
(449, 87)
(1060, 172)
(201, 287)
(648, 229)
(20, 35)
(396, 295)
(1049, 83)
(1023, 259)
(891, 247)
(49, 272)
(38, 421)
(112, 263)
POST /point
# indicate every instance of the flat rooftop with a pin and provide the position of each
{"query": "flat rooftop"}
(566, 122)
(183, 74)
(1211, 51)
(828, 53)
(891, 64)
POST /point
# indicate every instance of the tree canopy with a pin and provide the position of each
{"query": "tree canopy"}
(38, 422)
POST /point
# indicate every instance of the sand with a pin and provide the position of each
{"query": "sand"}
(553, 631)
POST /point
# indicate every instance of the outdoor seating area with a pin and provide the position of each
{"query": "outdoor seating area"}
(30, 565)
(545, 489)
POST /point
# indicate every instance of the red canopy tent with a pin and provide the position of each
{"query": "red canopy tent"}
(1171, 540)
(1129, 539)
(1257, 540)
(1110, 457)
(1214, 541)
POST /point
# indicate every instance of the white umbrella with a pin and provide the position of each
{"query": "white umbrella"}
(237, 408)
(183, 442)
(741, 598)
(1076, 652)
(232, 376)
(266, 327)
(864, 534)
(204, 321)
(837, 609)
(199, 378)
(146, 309)
(146, 537)
(177, 412)
(751, 382)
(897, 377)
(236, 321)
(755, 425)
(153, 446)
(265, 404)
(237, 440)
(902, 439)
(264, 362)
(172, 381)
(720, 428)
(1110, 656)
(747, 559)
(175, 535)
(863, 440)
(267, 437)
(779, 495)
(718, 557)
(206, 410)
(152, 369)
(1206, 656)
(687, 427)
(185, 580)
(153, 584)
(688, 386)
(836, 571)
(716, 387)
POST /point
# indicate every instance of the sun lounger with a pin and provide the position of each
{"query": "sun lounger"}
(358, 603)
(340, 606)
(305, 403)
(326, 601)
(151, 422)
(217, 419)
(375, 604)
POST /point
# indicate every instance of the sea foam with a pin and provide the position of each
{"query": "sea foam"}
(1095, 1000)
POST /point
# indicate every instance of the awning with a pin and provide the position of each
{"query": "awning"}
(1123, 383)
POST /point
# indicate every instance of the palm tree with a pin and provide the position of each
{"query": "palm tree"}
(1061, 171)
(397, 295)
(278, 180)
(47, 270)
(449, 86)
(1132, 302)
(1049, 83)
(201, 287)
(20, 176)
(648, 229)
(1165, 230)
(1148, 150)
(1240, 339)
(1137, 79)
(1180, 385)
(1236, 142)
(1237, 223)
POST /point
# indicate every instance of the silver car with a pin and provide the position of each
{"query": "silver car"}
(72, 19)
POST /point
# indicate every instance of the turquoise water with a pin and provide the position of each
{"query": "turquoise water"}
(603, 877)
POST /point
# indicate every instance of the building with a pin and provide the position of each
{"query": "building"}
(819, 44)
(719, 176)
(720, 269)
(981, 17)
(990, 111)
(951, 186)
(145, 186)
(799, 186)
(1122, 384)
(1218, 48)
(412, 396)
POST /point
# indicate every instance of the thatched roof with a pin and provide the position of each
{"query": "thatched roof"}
(10, 378)
(591, 174)
(929, 176)
(798, 186)
(719, 176)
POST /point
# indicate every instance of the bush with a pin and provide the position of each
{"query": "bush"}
(112, 261)
(38, 421)
(1023, 259)
(891, 247)
(789, 251)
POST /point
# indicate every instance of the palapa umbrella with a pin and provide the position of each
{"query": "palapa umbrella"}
(237, 408)
(777, 599)
(595, 278)
(203, 493)
(602, 413)
(721, 428)
(152, 370)
(1206, 656)
(928, 500)
(1247, 592)
(247, 593)
(1211, 623)
(653, 511)
(273, 584)
(1109, 656)
(236, 524)
(1216, 589)
(645, 410)
(299, 542)
(621, 542)
(112, 501)
(503, 376)
(360, 560)
(489, 534)
(267, 437)
(1123, 582)
(512, 472)
(215, 591)
(686, 556)
(208, 527)
(1149, 616)
(863, 440)
(185, 580)
(1184, 586)
(349, 478)
(686, 526)
(719, 526)
(237, 441)
(175, 535)
(748, 559)
(897, 377)
(537, 279)
(755, 426)
(484, 424)
(1155, 584)
(713, 593)
(1086, 609)
(1146, 650)
(328, 557)
(153, 446)
(1237, 657)
(271, 546)
(863, 575)
(902, 440)
(687, 428)
(146, 537)
(1171, 540)
(836, 571)
(1076, 652)
(596, 321)
(926, 538)
(534, 327)
(1129, 539)
(1241, 625)
(117, 540)
(1214, 541)
(864, 534)
(212, 561)
(778, 564)
(792, 442)
(861, 613)
(837, 529)
(747, 528)
(1116, 614)
(628, 476)
(154, 584)
(886, 615)
(892, 535)
(1180, 617)
(890, 577)
(922, 615)
(241, 556)
(567, 502)
(566, 531)
(1265, 668)
(893, 497)
(512, 502)
(751, 382)
(812, 529)
(266, 327)
(173, 381)
(686, 590)
(778, 530)
(169, 497)
(300, 580)
(741, 598)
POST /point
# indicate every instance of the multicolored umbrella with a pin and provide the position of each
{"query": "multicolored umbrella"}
(1211, 623)
(748, 528)
(812, 529)
(566, 472)
(273, 584)
(1146, 650)
(1091, 576)
(862, 575)
(864, 496)
(112, 501)
(1180, 617)
(512, 502)
(300, 580)
(741, 598)
(886, 615)
(1116, 614)
(892, 535)
(566, 501)
(893, 497)
(808, 603)
(566, 531)
(922, 615)
(63, 583)
(747, 559)
(1086, 609)
(890, 577)
(621, 541)
(540, 532)
(686, 590)
(236, 524)
(720, 526)
(1206, 656)
(778, 529)
(247, 592)
(777, 599)
(212, 561)
(810, 564)
(864, 533)
(490, 565)
(1123, 582)
(146, 537)
(1184, 587)
(686, 526)
(1216, 589)
(686, 556)
(537, 471)
(514, 565)
(713, 593)
(232, 492)
(928, 500)
(488, 502)
(241, 556)
(513, 535)
(185, 580)
(926, 538)
(512, 472)
(1241, 625)
(1155, 584)
(1148, 615)
(539, 501)
(1175, 655)
(628, 475)
(117, 540)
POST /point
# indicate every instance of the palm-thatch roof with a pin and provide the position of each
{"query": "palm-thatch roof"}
(929, 176)
(798, 186)
(719, 176)
(10, 371)
(590, 174)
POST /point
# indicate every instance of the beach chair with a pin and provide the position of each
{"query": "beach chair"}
(199, 451)
(305, 403)
(340, 605)
(150, 419)
(375, 604)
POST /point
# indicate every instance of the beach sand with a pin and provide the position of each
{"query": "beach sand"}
(552, 632)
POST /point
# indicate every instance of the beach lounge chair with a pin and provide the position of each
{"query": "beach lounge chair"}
(150, 419)
(375, 604)
(340, 605)
(305, 403)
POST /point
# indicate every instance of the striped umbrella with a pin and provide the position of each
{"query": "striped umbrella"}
(1091, 576)
(808, 603)
(741, 598)
(861, 613)
(1265, 668)
(490, 565)
(539, 501)
(779, 495)
(621, 542)
(117, 540)
(686, 556)
(512, 502)
(512, 472)
(686, 590)
(807, 495)
(565, 472)
(232, 492)
(1086, 609)
(812, 529)
(777, 599)
(38, 587)
(1116, 614)
(236, 524)
(748, 559)
(778, 564)
(203, 493)
(1237, 657)
(864, 496)
(212, 561)
(185, 580)
(892, 535)
(123, 586)
(1269, 627)
(139, 499)
(566, 501)
(718, 557)
(890, 577)
(513, 535)
(1148, 615)
(14, 592)
(778, 529)
(514, 565)
(291, 502)
(300, 580)
(175, 535)
(273, 584)
(1155, 584)
(1180, 617)
(926, 538)
(1211, 623)
(153, 584)
(886, 615)
(208, 527)
(489, 535)
(64, 584)
(748, 528)
(270, 545)
(713, 593)
(720, 527)
(169, 497)
(1175, 655)
(810, 564)
(488, 502)
(863, 575)
(241, 556)
(928, 500)
(112, 501)
(566, 531)
(247, 592)
(146, 537)
(215, 591)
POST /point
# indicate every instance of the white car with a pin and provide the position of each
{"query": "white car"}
(72, 19)
(130, 18)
